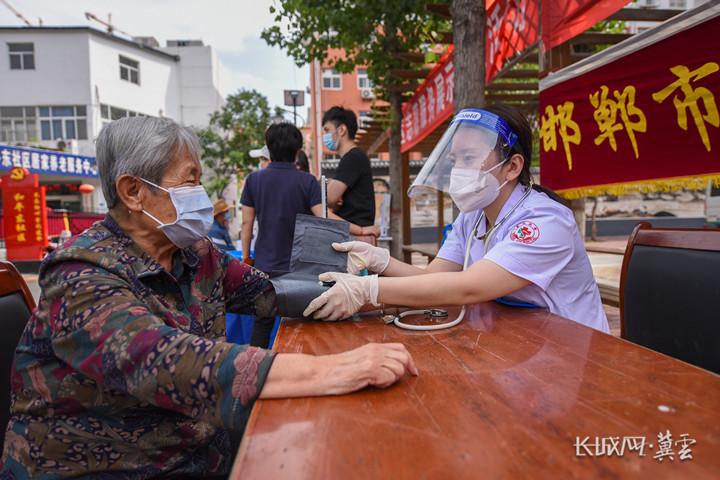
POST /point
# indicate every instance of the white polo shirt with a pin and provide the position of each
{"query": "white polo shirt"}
(539, 242)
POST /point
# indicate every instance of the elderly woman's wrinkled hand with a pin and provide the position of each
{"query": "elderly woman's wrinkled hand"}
(374, 364)
(349, 294)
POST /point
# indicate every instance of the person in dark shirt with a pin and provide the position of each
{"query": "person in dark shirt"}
(275, 195)
(350, 193)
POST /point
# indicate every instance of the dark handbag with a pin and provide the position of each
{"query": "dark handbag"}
(312, 254)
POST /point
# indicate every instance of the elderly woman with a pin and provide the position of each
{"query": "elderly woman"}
(123, 369)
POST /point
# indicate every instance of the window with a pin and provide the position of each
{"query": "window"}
(22, 56)
(332, 79)
(108, 112)
(63, 122)
(682, 4)
(18, 124)
(364, 82)
(130, 70)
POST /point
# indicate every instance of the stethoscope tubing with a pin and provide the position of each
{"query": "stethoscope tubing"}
(486, 237)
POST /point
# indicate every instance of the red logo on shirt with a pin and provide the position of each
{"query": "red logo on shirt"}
(525, 232)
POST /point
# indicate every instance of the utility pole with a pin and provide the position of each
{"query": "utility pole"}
(108, 25)
(294, 98)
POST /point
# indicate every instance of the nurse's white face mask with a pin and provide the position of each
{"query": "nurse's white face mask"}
(471, 189)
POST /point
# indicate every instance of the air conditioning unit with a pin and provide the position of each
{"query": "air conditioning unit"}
(367, 93)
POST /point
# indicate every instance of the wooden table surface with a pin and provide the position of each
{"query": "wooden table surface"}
(503, 395)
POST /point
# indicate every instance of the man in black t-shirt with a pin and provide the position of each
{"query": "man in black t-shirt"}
(350, 193)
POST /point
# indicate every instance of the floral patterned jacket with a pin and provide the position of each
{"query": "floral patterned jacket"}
(123, 370)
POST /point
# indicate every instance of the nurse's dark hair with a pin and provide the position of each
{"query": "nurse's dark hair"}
(518, 122)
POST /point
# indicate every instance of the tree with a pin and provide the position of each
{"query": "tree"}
(468, 19)
(238, 127)
(371, 33)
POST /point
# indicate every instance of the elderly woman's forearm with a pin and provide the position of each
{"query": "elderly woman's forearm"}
(293, 375)
(300, 375)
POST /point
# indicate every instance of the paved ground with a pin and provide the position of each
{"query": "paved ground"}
(32, 283)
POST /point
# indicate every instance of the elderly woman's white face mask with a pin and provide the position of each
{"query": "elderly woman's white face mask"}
(194, 214)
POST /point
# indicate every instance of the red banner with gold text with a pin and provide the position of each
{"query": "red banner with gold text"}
(646, 121)
(24, 215)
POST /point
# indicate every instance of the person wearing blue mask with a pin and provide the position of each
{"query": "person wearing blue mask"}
(350, 193)
(219, 234)
(514, 241)
(124, 370)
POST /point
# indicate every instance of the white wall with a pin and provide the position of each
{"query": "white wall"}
(61, 75)
(157, 93)
(200, 89)
(82, 68)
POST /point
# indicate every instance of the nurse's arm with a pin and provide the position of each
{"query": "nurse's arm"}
(396, 268)
(482, 282)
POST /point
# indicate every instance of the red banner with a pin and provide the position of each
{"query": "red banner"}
(647, 121)
(24, 215)
(511, 27)
(431, 105)
(565, 19)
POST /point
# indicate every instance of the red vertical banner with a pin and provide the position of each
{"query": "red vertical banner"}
(24, 215)
(432, 103)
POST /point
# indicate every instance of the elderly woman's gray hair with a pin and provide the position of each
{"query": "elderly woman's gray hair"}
(142, 147)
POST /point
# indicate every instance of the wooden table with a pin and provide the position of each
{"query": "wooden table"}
(503, 395)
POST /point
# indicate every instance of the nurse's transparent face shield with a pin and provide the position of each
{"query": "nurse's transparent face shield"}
(468, 148)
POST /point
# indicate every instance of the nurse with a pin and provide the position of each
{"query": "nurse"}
(513, 241)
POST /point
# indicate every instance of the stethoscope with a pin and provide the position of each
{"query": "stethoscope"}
(439, 313)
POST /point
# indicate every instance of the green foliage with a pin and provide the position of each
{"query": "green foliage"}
(369, 31)
(609, 26)
(235, 130)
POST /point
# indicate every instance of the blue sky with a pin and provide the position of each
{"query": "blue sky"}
(231, 27)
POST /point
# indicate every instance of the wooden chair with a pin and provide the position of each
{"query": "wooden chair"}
(16, 305)
(670, 293)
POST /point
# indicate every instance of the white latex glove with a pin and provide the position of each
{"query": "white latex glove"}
(349, 294)
(362, 255)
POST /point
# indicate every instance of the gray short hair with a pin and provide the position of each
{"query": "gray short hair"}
(141, 147)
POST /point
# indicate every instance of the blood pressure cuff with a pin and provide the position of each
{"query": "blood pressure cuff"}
(312, 254)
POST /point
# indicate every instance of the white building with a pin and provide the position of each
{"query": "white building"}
(64, 83)
(639, 27)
